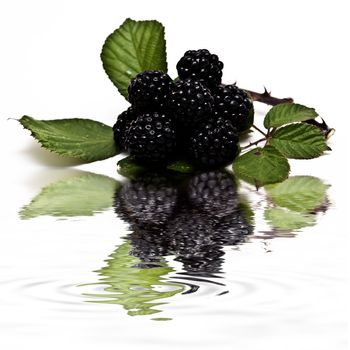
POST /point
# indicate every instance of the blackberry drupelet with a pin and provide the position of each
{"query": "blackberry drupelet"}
(214, 143)
(149, 91)
(235, 105)
(202, 66)
(213, 193)
(151, 138)
(189, 102)
(122, 124)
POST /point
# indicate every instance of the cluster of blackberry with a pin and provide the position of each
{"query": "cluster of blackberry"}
(191, 218)
(195, 117)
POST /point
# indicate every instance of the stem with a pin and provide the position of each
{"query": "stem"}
(261, 132)
(253, 143)
(266, 97)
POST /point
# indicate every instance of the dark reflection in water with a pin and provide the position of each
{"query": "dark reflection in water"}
(191, 219)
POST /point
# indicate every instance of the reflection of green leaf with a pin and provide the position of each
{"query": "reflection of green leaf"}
(261, 166)
(130, 168)
(136, 289)
(83, 139)
(298, 193)
(80, 195)
(285, 219)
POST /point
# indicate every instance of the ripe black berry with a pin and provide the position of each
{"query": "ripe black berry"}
(189, 102)
(202, 66)
(151, 138)
(214, 143)
(122, 124)
(234, 104)
(149, 90)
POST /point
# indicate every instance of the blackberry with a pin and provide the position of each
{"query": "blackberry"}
(149, 90)
(151, 138)
(202, 66)
(120, 127)
(214, 193)
(189, 102)
(147, 202)
(214, 143)
(235, 105)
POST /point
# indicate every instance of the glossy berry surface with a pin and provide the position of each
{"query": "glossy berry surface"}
(149, 91)
(202, 66)
(233, 104)
(214, 143)
(151, 138)
(189, 102)
(120, 127)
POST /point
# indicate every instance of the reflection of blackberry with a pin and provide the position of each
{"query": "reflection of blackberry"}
(149, 90)
(148, 202)
(151, 138)
(122, 124)
(213, 144)
(149, 245)
(214, 193)
(189, 102)
(202, 66)
(192, 240)
(233, 104)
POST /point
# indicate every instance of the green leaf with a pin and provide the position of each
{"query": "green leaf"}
(139, 290)
(286, 113)
(262, 166)
(84, 139)
(134, 47)
(298, 193)
(300, 141)
(181, 166)
(80, 195)
(284, 219)
(130, 168)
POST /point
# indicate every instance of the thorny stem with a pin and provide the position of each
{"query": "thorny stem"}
(253, 143)
(266, 97)
(261, 132)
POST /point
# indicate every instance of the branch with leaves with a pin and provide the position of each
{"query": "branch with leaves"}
(136, 46)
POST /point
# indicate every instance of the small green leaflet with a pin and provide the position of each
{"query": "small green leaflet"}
(181, 166)
(134, 47)
(284, 219)
(299, 141)
(286, 113)
(85, 139)
(131, 168)
(298, 193)
(262, 166)
(81, 195)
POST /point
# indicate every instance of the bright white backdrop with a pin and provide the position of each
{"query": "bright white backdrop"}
(50, 68)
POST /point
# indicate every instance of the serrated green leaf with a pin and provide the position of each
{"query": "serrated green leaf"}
(284, 219)
(298, 193)
(181, 166)
(299, 141)
(84, 139)
(262, 166)
(134, 47)
(80, 195)
(286, 113)
(133, 287)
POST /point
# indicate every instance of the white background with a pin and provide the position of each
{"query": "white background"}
(50, 68)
